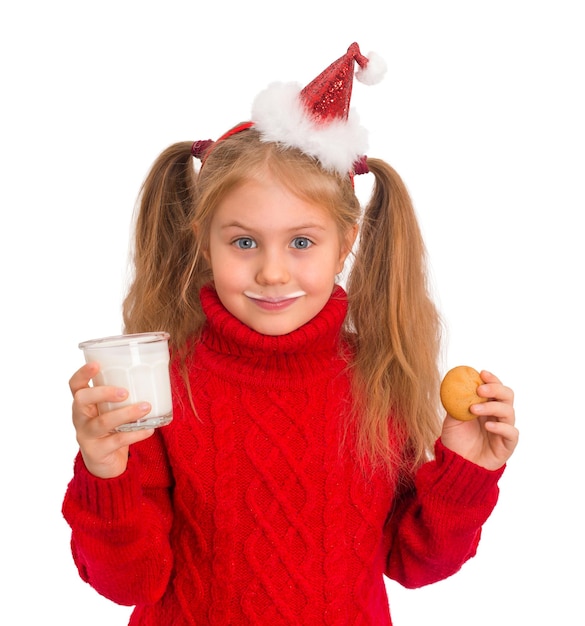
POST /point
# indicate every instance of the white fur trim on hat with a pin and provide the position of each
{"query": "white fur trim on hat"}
(280, 116)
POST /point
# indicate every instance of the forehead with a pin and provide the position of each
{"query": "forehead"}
(265, 200)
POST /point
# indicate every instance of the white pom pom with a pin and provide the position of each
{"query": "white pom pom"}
(374, 70)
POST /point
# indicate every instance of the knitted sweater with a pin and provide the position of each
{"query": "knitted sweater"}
(249, 513)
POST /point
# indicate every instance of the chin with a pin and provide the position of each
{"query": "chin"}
(271, 331)
(275, 328)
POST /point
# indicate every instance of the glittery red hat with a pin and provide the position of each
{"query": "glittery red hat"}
(317, 119)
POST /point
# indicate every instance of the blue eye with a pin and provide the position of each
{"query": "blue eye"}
(245, 243)
(301, 243)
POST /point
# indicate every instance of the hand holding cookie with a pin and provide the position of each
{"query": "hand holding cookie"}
(480, 417)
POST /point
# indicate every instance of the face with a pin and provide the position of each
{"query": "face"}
(274, 256)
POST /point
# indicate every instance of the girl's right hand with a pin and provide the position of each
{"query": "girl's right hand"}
(104, 450)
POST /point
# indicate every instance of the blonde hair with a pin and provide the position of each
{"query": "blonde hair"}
(392, 324)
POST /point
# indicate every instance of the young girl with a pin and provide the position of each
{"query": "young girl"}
(307, 457)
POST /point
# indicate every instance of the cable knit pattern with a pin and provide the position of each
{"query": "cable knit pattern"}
(247, 512)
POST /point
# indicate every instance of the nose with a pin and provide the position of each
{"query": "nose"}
(273, 268)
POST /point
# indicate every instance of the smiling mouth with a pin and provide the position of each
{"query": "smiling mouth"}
(274, 303)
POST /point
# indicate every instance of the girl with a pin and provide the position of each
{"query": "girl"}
(306, 458)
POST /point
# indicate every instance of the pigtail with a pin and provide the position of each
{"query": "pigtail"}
(164, 250)
(396, 324)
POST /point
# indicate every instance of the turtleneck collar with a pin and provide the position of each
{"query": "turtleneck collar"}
(242, 353)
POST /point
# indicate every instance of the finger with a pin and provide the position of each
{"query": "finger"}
(124, 439)
(99, 395)
(106, 423)
(496, 391)
(86, 402)
(488, 377)
(500, 411)
(508, 433)
(82, 376)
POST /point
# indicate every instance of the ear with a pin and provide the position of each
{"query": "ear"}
(346, 246)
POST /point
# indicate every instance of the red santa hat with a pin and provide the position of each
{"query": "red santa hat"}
(318, 119)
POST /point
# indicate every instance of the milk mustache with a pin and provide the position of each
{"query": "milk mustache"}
(140, 364)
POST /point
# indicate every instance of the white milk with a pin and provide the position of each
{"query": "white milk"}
(140, 364)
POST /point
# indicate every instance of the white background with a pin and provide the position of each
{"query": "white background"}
(482, 114)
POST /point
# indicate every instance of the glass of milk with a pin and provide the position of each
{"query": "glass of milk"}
(140, 364)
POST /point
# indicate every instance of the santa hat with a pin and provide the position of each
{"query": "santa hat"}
(317, 119)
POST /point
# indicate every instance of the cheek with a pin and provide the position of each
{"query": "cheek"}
(320, 273)
(215, 256)
(226, 271)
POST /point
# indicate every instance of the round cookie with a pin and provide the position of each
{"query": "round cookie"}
(459, 391)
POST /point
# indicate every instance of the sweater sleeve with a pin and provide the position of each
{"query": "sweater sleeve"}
(120, 526)
(436, 527)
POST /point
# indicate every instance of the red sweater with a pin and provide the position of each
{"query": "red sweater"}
(248, 513)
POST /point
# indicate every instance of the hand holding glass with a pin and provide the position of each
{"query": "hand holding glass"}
(140, 364)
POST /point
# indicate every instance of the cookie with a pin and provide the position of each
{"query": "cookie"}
(459, 392)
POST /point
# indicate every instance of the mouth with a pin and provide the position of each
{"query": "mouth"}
(274, 303)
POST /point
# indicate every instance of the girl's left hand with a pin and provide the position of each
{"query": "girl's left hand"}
(489, 440)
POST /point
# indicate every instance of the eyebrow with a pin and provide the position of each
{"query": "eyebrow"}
(235, 225)
(298, 227)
